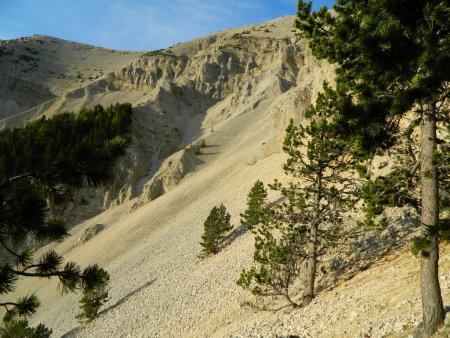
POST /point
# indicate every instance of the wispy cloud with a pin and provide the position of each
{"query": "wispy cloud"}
(134, 24)
(157, 25)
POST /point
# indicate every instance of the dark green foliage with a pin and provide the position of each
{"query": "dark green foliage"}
(420, 245)
(199, 146)
(216, 226)
(43, 162)
(27, 58)
(256, 206)
(394, 190)
(7, 279)
(67, 147)
(198, 149)
(50, 265)
(368, 43)
(368, 40)
(20, 329)
(443, 169)
(95, 294)
(279, 255)
(445, 229)
(24, 307)
(393, 57)
(308, 219)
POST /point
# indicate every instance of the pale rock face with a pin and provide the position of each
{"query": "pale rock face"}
(89, 233)
(178, 93)
(172, 171)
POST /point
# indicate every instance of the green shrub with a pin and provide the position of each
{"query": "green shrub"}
(94, 297)
(198, 147)
(216, 226)
(257, 209)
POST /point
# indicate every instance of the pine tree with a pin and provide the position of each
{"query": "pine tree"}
(394, 57)
(93, 298)
(301, 228)
(256, 206)
(216, 226)
(46, 159)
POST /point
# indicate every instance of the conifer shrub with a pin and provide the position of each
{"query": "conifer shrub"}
(197, 149)
(257, 206)
(367, 40)
(216, 226)
(199, 146)
(94, 296)
(279, 256)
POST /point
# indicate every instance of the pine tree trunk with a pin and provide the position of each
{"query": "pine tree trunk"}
(312, 247)
(432, 305)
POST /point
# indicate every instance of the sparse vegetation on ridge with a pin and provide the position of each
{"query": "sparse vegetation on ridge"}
(199, 146)
(86, 144)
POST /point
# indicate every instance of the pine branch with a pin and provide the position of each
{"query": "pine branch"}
(5, 305)
(41, 274)
(8, 249)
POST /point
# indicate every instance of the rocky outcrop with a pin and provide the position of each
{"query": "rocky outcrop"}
(89, 233)
(179, 94)
(38, 69)
(172, 171)
(207, 80)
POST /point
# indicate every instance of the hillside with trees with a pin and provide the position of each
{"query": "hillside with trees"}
(345, 134)
(43, 163)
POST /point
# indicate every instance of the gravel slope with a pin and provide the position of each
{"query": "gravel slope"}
(160, 288)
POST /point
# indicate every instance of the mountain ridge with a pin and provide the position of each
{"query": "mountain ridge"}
(236, 91)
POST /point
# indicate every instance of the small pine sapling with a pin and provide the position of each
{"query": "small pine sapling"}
(216, 226)
(279, 254)
(95, 294)
(257, 207)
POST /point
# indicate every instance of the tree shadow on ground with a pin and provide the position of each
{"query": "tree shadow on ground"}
(74, 332)
(369, 247)
(128, 296)
(235, 234)
(205, 154)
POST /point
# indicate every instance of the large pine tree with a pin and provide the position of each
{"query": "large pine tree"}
(393, 57)
(302, 226)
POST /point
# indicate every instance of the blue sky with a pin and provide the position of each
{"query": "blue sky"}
(136, 24)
